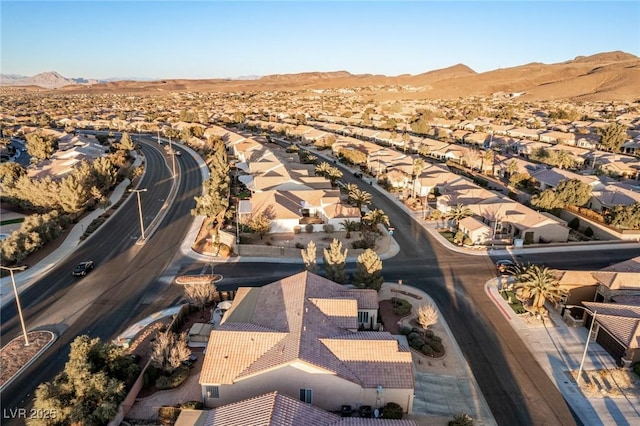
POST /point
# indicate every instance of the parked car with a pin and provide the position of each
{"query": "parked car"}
(83, 268)
(506, 266)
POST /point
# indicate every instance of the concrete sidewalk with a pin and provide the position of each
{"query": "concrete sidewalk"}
(558, 349)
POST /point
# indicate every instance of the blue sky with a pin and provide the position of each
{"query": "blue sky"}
(215, 39)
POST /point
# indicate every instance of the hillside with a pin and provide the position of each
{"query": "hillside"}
(604, 76)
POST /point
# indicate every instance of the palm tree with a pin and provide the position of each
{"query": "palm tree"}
(458, 213)
(512, 167)
(424, 150)
(322, 169)
(359, 197)
(375, 217)
(350, 226)
(334, 174)
(537, 284)
(487, 157)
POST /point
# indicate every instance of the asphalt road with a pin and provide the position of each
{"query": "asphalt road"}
(105, 301)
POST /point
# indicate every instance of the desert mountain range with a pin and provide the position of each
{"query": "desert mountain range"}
(601, 77)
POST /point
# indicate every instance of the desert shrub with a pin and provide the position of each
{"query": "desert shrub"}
(588, 232)
(391, 410)
(297, 229)
(417, 343)
(192, 405)
(461, 419)
(436, 346)
(428, 334)
(435, 338)
(401, 306)
(574, 224)
(168, 415)
(150, 375)
(412, 336)
(178, 377)
(308, 228)
(360, 244)
(405, 330)
(427, 350)
(224, 250)
(328, 228)
(299, 245)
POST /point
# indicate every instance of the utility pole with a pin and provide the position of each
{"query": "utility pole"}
(173, 158)
(138, 191)
(15, 291)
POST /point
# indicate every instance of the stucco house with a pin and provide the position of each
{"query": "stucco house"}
(276, 409)
(299, 336)
(288, 209)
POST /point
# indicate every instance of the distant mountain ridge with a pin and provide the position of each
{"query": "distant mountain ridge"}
(603, 76)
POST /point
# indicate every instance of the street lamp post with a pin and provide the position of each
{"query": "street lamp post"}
(586, 345)
(173, 158)
(138, 191)
(15, 291)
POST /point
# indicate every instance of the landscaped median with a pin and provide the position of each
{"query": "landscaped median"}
(15, 356)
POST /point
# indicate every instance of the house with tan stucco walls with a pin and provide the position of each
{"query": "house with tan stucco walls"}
(299, 336)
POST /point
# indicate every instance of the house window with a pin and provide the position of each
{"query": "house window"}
(363, 317)
(212, 391)
(305, 395)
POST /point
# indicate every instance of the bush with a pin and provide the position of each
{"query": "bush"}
(588, 232)
(574, 224)
(192, 405)
(308, 228)
(636, 368)
(299, 245)
(417, 343)
(328, 228)
(461, 419)
(436, 346)
(429, 334)
(178, 377)
(360, 244)
(412, 335)
(401, 306)
(224, 250)
(427, 350)
(168, 415)
(435, 338)
(405, 330)
(150, 375)
(392, 411)
(297, 229)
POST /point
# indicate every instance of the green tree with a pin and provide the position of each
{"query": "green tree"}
(376, 217)
(612, 136)
(359, 198)
(369, 270)
(90, 388)
(350, 226)
(458, 213)
(512, 167)
(309, 257)
(126, 143)
(260, 224)
(41, 147)
(10, 172)
(563, 159)
(536, 284)
(73, 195)
(335, 261)
(571, 192)
(488, 157)
(427, 315)
(625, 217)
(424, 150)
(322, 169)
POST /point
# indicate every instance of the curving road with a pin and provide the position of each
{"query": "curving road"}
(105, 301)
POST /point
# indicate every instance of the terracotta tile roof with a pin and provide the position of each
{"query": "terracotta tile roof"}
(367, 299)
(275, 409)
(627, 300)
(618, 280)
(631, 265)
(294, 317)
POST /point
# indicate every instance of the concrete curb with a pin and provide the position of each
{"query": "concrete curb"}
(54, 338)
